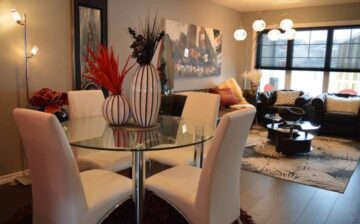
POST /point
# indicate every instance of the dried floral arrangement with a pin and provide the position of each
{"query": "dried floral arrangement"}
(103, 69)
(253, 76)
(146, 40)
(51, 101)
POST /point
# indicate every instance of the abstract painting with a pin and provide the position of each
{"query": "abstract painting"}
(90, 37)
(196, 49)
(90, 19)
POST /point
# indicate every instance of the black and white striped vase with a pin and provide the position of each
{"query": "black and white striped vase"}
(145, 95)
(116, 110)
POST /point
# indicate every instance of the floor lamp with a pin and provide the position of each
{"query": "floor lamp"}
(21, 20)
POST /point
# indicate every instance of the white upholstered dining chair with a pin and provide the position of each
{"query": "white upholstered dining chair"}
(60, 193)
(209, 195)
(88, 103)
(199, 106)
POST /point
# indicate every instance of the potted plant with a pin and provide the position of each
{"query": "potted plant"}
(145, 93)
(103, 69)
(51, 101)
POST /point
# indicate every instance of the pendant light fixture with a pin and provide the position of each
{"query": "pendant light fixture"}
(240, 34)
(259, 25)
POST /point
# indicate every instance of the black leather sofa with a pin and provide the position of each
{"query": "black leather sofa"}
(268, 99)
(339, 123)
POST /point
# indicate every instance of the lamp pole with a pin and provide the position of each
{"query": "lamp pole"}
(26, 61)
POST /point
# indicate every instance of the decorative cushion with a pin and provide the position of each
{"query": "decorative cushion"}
(235, 88)
(341, 104)
(228, 98)
(286, 97)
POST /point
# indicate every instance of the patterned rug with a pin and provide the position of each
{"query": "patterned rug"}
(329, 165)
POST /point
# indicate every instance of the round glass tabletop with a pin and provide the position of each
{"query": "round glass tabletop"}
(169, 132)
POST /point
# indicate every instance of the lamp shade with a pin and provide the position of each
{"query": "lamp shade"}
(290, 34)
(286, 24)
(16, 16)
(259, 25)
(34, 50)
(240, 34)
(274, 35)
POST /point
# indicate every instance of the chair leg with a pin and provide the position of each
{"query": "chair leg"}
(148, 167)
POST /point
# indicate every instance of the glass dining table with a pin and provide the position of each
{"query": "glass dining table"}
(168, 133)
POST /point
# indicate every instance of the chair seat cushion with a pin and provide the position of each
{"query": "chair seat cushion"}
(104, 189)
(97, 159)
(179, 186)
(341, 118)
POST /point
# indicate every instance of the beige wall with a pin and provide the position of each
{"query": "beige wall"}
(49, 25)
(314, 16)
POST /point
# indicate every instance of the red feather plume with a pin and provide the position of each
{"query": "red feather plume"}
(103, 69)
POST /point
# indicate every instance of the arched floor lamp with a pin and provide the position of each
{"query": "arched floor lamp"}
(25, 179)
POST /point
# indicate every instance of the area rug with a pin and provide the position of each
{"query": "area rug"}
(157, 211)
(329, 165)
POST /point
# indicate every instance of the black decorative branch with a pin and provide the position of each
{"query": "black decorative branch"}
(146, 42)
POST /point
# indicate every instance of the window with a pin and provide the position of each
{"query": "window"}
(309, 49)
(273, 53)
(318, 59)
(335, 49)
(345, 52)
(344, 80)
(272, 79)
(311, 88)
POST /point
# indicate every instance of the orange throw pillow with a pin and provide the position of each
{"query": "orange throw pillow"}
(227, 97)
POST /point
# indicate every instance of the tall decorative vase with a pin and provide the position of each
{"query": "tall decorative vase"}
(145, 97)
(116, 110)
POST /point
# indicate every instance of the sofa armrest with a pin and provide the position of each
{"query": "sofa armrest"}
(302, 100)
(265, 97)
(319, 108)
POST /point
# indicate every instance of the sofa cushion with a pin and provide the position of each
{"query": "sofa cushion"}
(341, 118)
(341, 104)
(286, 97)
(235, 88)
(227, 97)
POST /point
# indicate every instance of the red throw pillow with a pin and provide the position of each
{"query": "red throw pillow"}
(228, 98)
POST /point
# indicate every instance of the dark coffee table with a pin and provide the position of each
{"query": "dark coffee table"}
(291, 138)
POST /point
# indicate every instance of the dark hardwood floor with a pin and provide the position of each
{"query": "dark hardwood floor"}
(268, 200)
(271, 200)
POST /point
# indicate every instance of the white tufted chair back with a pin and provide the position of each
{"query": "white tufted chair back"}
(218, 197)
(85, 103)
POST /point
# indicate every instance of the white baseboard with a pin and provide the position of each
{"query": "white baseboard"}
(12, 176)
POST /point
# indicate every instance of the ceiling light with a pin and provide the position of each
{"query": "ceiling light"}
(259, 25)
(274, 34)
(290, 34)
(240, 34)
(286, 24)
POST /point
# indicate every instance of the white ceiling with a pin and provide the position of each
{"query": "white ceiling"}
(263, 5)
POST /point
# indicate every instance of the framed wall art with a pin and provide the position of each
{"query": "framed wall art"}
(196, 49)
(90, 29)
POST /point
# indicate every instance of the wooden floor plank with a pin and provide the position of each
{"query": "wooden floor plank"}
(267, 205)
(358, 217)
(317, 211)
(250, 196)
(345, 211)
(249, 179)
(292, 208)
